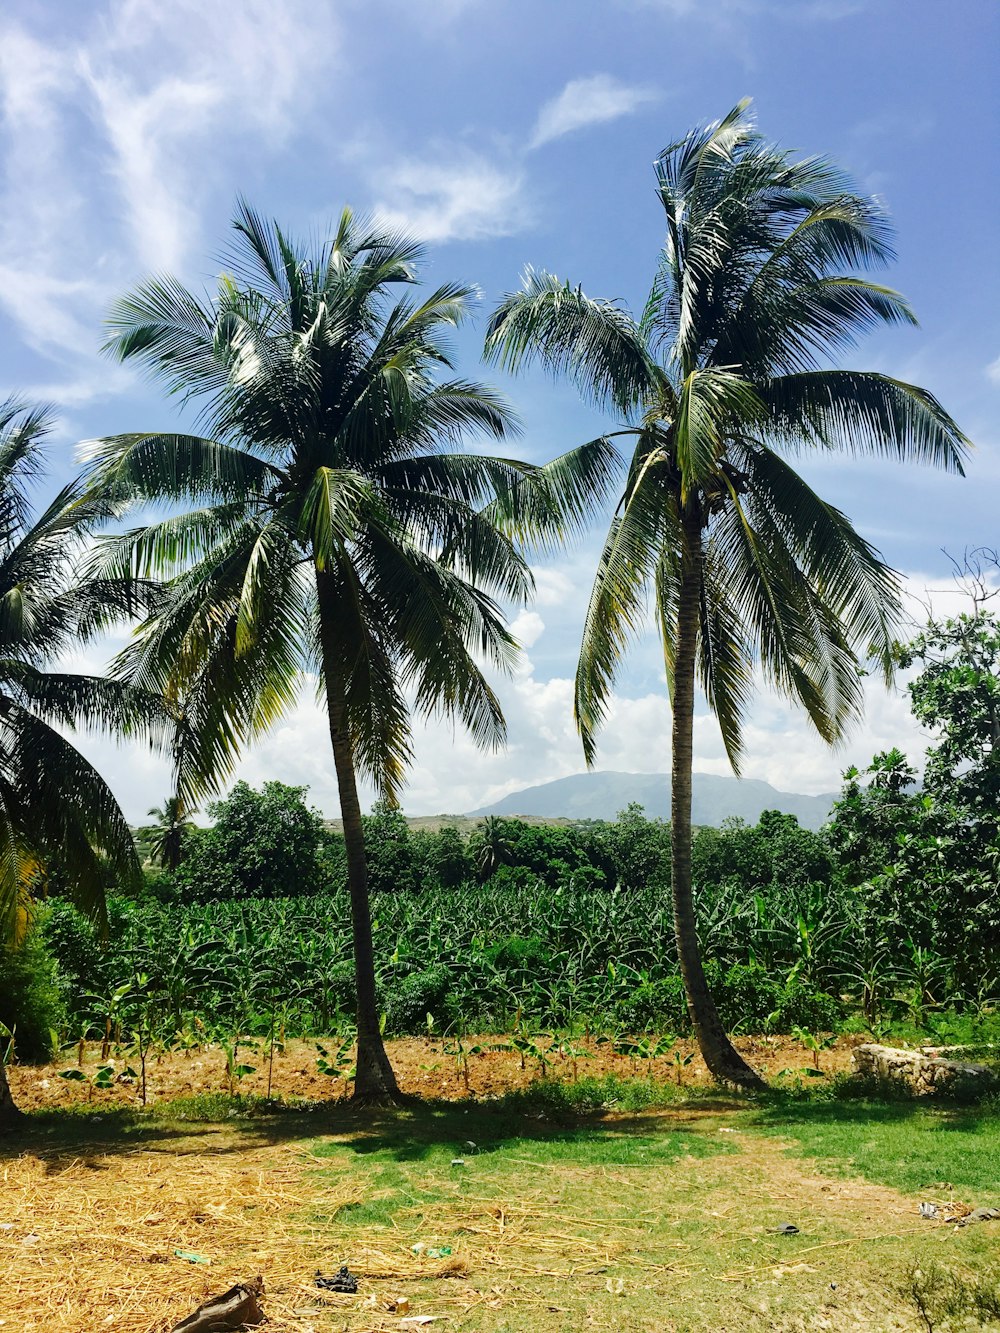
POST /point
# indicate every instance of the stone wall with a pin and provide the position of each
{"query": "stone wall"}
(919, 1072)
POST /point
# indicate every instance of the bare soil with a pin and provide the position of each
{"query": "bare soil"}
(424, 1067)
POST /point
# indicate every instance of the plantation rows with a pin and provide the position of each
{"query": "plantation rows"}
(890, 913)
(470, 958)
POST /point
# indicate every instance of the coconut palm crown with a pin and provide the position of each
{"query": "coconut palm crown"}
(727, 373)
(338, 527)
(59, 820)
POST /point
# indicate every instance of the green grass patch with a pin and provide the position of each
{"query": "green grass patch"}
(908, 1145)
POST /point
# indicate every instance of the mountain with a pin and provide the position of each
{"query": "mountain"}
(602, 795)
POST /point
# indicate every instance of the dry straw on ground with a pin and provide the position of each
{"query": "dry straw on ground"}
(89, 1241)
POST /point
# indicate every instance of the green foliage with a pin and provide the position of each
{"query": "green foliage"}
(923, 861)
(31, 1002)
(413, 997)
(957, 695)
(263, 844)
(61, 828)
(548, 947)
(392, 862)
(639, 849)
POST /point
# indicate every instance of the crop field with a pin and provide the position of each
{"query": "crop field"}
(613, 1203)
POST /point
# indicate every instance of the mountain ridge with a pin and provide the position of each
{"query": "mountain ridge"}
(601, 794)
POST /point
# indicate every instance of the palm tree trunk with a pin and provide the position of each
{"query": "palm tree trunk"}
(374, 1081)
(721, 1056)
(10, 1116)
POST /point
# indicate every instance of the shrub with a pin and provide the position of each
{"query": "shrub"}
(410, 999)
(514, 954)
(655, 1005)
(30, 1001)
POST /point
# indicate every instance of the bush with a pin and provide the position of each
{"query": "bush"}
(750, 999)
(528, 956)
(411, 999)
(658, 1006)
(30, 1001)
(805, 1008)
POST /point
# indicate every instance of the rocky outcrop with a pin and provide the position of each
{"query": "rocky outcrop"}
(919, 1072)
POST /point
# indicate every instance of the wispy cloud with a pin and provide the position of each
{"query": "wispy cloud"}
(993, 370)
(452, 195)
(113, 142)
(175, 86)
(588, 101)
(795, 11)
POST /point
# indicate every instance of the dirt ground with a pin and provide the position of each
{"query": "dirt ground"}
(132, 1236)
(661, 1222)
(425, 1067)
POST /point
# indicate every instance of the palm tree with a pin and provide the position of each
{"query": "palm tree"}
(56, 813)
(490, 845)
(761, 280)
(169, 832)
(338, 530)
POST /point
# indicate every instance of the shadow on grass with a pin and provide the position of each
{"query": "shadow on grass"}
(777, 1110)
(611, 1108)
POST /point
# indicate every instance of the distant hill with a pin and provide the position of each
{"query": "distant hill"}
(602, 795)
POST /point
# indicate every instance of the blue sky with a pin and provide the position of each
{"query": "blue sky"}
(503, 132)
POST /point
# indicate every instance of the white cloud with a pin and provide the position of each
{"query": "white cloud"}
(588, 101)
(553, 587)
(450, 775)
(527, 628)
(174, 85)
(453, 195)
(113, 142)
(993, 370)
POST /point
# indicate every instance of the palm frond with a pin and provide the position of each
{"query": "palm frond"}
(863, 412)
(595, 343)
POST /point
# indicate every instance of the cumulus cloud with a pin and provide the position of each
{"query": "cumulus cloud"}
(588, 101)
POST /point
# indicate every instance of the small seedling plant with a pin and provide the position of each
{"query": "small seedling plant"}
(815, 1043)
(337, 1063)
(103, 1078)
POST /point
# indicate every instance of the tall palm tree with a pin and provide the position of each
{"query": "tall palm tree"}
(56, 812)
(761, 280)
(490, 845)
(168, 833)
(338, 530)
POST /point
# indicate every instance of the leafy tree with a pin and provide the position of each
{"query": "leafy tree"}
(443, 857)
(335, 529)
(957, 695)
(639, 849)
(761, 280)
(389, 849)
(924, 858)
(58, 818)
(263, 844)
(774, 851)
(876, 808)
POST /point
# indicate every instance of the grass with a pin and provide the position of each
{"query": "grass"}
(611, 1203)
(910, 1146)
